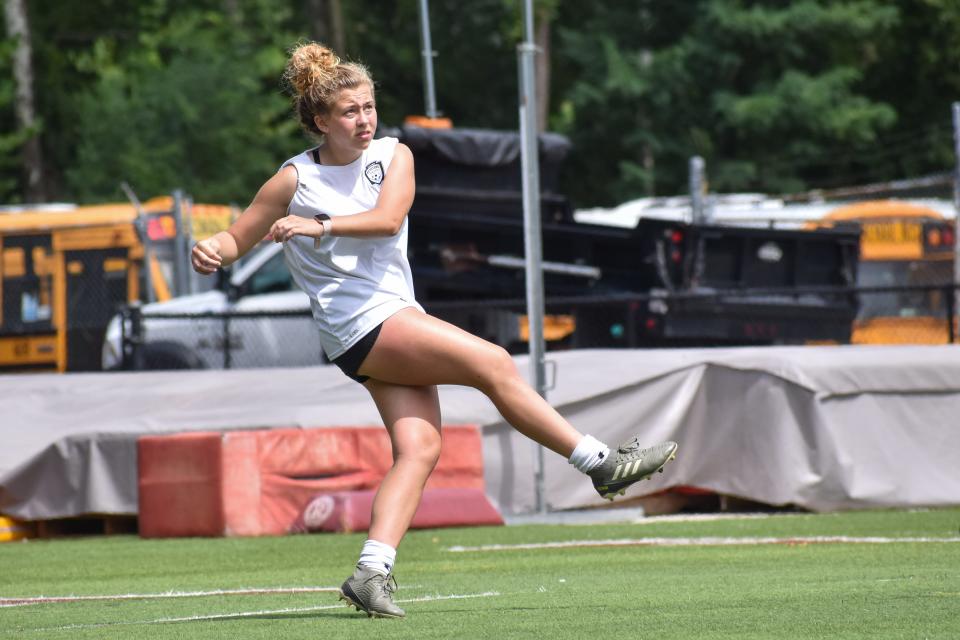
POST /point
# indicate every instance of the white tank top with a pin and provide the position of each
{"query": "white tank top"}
(354, 284)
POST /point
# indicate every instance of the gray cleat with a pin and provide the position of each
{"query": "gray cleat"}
(371, 591)
(630, 464)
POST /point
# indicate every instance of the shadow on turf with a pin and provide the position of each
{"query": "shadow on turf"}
(342, 615)
(339, 615)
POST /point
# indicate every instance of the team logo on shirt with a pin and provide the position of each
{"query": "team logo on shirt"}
(374, 172)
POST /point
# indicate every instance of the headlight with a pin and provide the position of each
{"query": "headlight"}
(111, 356)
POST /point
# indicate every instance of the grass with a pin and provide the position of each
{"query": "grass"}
(797, 590)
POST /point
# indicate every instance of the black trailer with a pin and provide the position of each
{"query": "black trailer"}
(661, 283)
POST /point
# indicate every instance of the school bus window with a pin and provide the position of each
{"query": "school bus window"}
(14, 263)
(904, 304)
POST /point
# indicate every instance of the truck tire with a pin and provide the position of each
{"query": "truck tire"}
(165, 355)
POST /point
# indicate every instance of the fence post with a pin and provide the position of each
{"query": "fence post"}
(951, 313)
(124, 347)
(227, 347)
(181, 252)
(130, 343)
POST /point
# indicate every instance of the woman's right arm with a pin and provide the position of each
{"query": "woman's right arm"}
(269, 205)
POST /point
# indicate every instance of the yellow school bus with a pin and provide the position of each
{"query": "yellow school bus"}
(65, 270)
(901, 244)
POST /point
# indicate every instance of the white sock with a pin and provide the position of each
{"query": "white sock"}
(378, 556)
(589, 453)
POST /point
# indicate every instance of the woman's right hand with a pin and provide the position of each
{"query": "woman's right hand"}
(205, 257)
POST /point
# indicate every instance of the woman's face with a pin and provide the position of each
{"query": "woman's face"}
(352, 121)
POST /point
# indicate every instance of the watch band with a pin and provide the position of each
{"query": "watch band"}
(324, 221)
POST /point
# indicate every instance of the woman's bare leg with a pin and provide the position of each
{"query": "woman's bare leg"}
(412, 417)
(416, 349)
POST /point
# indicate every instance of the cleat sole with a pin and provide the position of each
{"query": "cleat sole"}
(350, 603)
(382, 615)
(370, 614)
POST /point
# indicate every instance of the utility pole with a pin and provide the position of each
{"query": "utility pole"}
(530, 169)
(956, 206)
(428, 53)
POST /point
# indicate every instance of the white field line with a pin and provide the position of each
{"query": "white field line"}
(253, 591)
(251, 614)
(696, 542)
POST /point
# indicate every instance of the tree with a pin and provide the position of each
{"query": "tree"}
(325, 18)
(196, 106)
(475, 69)
(10, 143)
(920, 78)
(769, 93)
(777, 96)
(15, 13)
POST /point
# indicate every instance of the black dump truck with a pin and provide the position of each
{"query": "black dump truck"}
(661, 283)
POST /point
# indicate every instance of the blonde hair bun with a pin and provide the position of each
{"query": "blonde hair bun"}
(310, 64)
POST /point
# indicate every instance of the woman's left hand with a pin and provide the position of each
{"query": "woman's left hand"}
(290, 225)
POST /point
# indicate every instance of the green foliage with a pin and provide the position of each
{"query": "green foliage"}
(776, 96)
(196, 106)
(767, 92)
(475, 70)
(919, 77)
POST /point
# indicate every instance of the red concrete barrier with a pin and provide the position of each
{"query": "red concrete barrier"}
(258, 482)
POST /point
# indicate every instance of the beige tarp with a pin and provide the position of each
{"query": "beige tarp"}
(823, 428)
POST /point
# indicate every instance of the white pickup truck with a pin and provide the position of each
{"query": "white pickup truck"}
(259, 283)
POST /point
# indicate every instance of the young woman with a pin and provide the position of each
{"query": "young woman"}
(340, 210)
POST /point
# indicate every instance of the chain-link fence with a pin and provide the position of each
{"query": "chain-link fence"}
(915, 314)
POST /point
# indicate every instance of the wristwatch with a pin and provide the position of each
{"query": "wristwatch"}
(324, 221)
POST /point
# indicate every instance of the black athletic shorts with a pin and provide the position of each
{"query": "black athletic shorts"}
(351, 359)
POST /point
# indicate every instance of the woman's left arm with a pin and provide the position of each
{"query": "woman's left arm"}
(396, 197)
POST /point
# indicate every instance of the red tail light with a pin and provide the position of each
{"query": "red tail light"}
(676, 237)
(947, 236)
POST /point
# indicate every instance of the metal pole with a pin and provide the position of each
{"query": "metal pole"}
(428, 53)
(956, 203)
(180, 252)
(141, 225)
(956, 192)
(698, 210)
(531, 225)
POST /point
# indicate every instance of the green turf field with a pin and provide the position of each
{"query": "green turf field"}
(700, 587)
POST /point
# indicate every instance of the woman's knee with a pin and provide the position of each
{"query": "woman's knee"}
(498, 370)
(419, 446)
